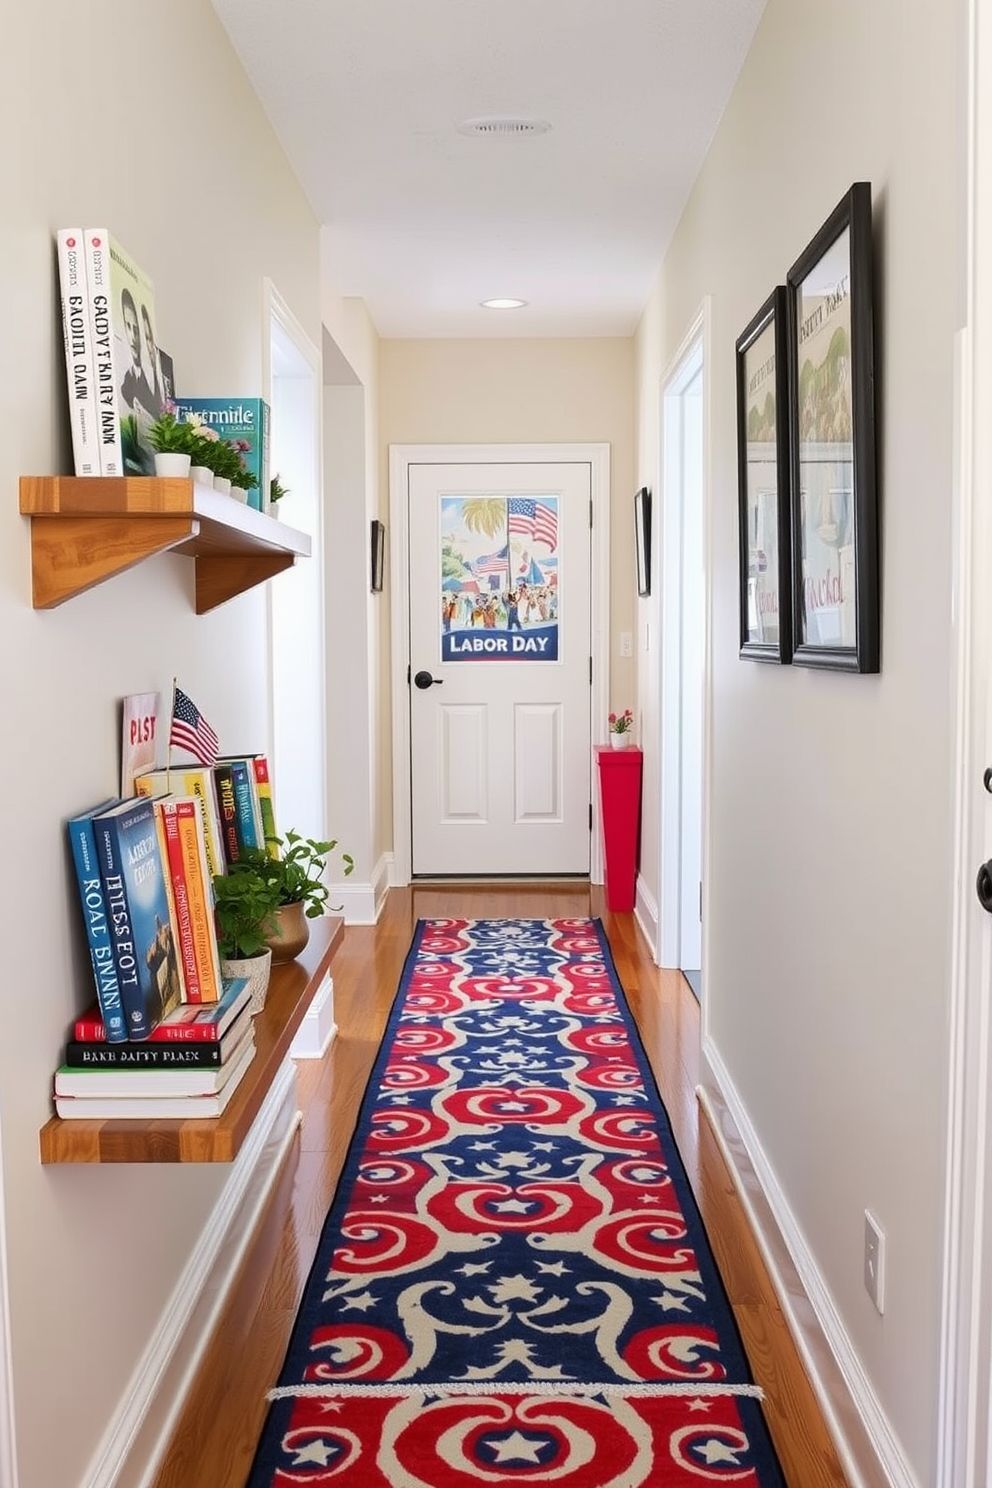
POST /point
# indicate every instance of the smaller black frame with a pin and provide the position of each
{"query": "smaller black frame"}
(642, 539)
(835, 599)
(378, 554)
(763, 483)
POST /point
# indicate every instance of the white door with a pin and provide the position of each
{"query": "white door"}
(499, 650)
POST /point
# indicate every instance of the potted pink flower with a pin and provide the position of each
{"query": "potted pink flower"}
(621, 728)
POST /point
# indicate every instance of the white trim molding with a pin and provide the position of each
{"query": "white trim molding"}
(868, 1448)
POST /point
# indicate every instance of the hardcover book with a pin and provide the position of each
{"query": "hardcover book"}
(185, 1024)
(193, 888)
(87, 869)
(190, 780)
(138, 1079)
(248, 811)
(266, 803)
(129, 385)
(241, 421)
(78, 343)
(134, 886)
(154, 1107)
(158, 1053)
(182, 924)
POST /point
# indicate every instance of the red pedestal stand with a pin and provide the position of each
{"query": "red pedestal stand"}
(620, 803)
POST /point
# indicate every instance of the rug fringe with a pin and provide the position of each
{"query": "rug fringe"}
(537, 1388)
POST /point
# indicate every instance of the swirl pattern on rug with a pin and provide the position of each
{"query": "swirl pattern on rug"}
(513, 1285)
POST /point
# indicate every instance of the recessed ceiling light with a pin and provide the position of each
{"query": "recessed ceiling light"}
(502, 304)
(501, 126)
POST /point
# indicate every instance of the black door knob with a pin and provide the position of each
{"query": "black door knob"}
(983, 886)
(423, 680)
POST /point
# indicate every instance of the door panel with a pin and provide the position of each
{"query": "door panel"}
(499, 587)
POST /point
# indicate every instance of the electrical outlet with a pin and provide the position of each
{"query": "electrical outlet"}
(874, 1261)
(626, 643)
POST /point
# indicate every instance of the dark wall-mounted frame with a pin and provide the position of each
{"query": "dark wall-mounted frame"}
(378, 554)
(642, 539)
(832, 443)
(763, 483)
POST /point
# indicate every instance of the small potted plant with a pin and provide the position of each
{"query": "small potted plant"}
(244, 899)
(174, 441)
(621, 728)
(243, 480)
(276, 492)
(202, 468)
(225, 462)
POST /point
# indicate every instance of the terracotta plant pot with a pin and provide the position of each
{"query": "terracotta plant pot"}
(288, 931)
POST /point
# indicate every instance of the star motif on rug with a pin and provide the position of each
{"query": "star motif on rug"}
(513, 1206)
(717, 1451)
(671, 1303)
(507, 1288)
(317, 1452)
(361, 1303)
(553, 1268)
(474, 1268)
(699, 1405)
(517, 1448)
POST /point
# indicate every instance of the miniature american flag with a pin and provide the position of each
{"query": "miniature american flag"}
(191, 731)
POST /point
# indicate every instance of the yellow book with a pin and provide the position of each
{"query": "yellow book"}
(190, 781)
(199, 890)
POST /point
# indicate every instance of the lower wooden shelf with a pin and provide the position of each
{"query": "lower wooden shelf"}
(217, 1139)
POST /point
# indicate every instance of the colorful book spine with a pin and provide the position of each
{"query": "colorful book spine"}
(77, 341)
(248, 819)
(152, 1078)
(244, 421)
(185, 1024)
(97, 247)
(182, 919)
(190, 781)
(228, 811)
(152, 1055)
(86, 864)
(133, 874)
(266, 803)
(152, 1107)
(199, 893)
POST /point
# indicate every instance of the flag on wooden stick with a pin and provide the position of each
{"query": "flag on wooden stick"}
(191, 731)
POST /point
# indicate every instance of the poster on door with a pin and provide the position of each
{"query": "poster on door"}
(499, 579)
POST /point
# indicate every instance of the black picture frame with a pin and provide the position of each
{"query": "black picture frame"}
(378, 554)
(835, 598)
(642, 539)
(764, 508)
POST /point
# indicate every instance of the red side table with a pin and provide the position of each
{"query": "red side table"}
(620, 804)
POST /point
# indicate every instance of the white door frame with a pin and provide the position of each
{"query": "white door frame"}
(401, 457)
(694, 349)
(964, 1421)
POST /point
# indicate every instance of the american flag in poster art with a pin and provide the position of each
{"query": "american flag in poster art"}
(191, 731)
(537, 520)
(492, 563)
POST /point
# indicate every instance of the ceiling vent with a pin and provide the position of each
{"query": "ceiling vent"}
(506, 128)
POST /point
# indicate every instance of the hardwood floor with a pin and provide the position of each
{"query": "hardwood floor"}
(215, 1436)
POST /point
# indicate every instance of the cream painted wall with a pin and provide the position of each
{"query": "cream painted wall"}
(827, 936)
(519, 392)
(178, 161)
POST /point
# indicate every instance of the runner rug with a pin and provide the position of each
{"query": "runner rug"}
(513, 1285)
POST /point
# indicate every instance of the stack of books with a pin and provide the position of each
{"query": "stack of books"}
(189, 1066)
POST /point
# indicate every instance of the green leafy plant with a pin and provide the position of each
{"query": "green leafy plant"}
(276, 489)
(244, 899)
(621, 723)
(226, 462)
(172, 435)
(242, 477)
(298, 871)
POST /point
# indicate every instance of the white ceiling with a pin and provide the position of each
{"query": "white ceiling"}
(421, 221)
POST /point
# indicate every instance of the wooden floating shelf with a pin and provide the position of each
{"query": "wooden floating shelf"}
(87, 529)
(219, 1138)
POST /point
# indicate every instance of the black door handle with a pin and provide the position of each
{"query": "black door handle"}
(983, 886)
(423, 680)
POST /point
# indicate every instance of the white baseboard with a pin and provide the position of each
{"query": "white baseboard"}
(866, 1444)
(136, 1439)
(361, 903)
(646, 915)
(316, 1033)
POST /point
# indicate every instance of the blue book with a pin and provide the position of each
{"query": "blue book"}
(84, 857)
(137, 900)
(241, 421)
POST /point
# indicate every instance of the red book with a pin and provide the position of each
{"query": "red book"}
(206, 1023)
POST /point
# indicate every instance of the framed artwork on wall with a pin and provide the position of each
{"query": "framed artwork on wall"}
(378, 553)
(642, 539)
(832, 443)
(763, 483)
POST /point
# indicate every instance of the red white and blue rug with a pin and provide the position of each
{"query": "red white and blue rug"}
(513, 1285)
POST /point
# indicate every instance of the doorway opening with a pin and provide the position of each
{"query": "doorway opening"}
(683, 660)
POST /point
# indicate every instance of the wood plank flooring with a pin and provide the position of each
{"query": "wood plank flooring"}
(216, 1433)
